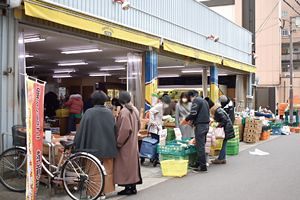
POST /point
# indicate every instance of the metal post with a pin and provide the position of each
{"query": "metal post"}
(291, 73)
(204, 82)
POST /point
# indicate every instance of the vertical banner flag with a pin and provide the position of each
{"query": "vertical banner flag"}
(150, 78)
(34, 124)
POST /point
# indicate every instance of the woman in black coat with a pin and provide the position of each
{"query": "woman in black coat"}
(224, 121)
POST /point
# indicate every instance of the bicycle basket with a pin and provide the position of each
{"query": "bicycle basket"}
(19, 135)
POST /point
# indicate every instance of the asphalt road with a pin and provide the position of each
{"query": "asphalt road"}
(244, 177)
(247, 177)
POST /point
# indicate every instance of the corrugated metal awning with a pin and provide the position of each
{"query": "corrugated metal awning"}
(206, 56)
(81, 21)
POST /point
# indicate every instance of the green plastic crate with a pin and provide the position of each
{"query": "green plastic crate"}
(232, 150)
(176, 149)
(172, 157)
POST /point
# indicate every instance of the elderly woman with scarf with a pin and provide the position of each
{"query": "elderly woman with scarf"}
(127, 168)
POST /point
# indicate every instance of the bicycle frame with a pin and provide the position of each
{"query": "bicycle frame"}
(65, 155)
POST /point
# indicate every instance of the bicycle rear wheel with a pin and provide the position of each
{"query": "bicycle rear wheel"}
(13, 169)
(83, 177)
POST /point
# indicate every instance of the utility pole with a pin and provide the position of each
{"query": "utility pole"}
(291, 73)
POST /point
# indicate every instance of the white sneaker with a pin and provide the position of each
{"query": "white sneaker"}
(207, 164)
(102, 197)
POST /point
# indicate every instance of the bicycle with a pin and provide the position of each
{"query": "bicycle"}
(81, 173)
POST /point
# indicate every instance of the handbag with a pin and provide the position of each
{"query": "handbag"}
(219, 133)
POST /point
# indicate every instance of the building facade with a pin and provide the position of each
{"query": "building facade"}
(159, 31)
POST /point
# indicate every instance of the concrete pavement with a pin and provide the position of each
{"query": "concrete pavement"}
(245, 173)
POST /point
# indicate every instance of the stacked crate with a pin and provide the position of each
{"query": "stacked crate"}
(253, 130)
(233, 145)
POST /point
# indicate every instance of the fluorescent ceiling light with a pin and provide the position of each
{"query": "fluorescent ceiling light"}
(129, 78)
(64, 71)
(168, 76)
(99, 74)
(191, 71)
(170, 67)
(112, 68)
(136, 74)
(72, 64)
(121, 60)
(222, 74)
(30, 67)
(81, 51)
(62, 76)
(29, 56)
(33, 39)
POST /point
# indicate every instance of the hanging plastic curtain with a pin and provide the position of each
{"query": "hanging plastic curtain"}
(134, 79)
(21, 79)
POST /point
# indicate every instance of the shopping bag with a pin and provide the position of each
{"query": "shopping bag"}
(219, 133)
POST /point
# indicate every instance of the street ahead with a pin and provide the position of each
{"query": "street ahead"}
(245, 177)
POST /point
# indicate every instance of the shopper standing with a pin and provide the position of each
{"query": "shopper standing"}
(220, 116)
(199, 117)
(75, 105)
(97, 135)
(228, 106)
(183, 109)
(156, 115)
(127, 167)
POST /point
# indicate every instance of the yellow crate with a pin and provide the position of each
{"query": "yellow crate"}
(62, 113)
(175, 168)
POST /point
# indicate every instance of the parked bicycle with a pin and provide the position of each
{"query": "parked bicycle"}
(73, 169)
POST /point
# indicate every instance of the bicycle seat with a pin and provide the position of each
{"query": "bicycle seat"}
(67, 144)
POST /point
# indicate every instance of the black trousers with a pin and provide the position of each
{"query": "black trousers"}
(201, 131)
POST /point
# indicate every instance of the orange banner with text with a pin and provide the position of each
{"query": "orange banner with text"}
(34, 124)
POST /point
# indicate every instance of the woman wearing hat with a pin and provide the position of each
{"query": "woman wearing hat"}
(127, 168)
(97, 135)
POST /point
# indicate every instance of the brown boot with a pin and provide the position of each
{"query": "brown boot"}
(217, 162)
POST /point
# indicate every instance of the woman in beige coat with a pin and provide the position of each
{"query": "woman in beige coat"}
(127, 167)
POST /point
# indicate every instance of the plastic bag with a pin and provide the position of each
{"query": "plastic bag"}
(219, 133)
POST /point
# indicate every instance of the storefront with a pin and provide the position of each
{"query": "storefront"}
(75, 49)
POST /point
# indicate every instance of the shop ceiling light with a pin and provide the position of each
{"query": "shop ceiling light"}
(30, 67)
(191, 71)
(33, 38)
(29, 56)
(59, 71)
(81, 51)
(99, 74)
(72, 64)
(170, 67)
(112, 68)
(127, 78)
(121, 60)
(168, 76)
(62, 76)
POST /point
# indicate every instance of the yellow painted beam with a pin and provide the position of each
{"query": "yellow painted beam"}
(69, 18)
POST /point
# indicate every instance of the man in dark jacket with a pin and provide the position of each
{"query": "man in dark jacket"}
(228, 106)
(199, 116)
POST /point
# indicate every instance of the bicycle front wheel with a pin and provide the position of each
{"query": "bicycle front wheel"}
(83, 177)
(13, 169)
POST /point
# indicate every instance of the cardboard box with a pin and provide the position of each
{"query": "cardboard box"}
(109, 178)
(239, 122)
